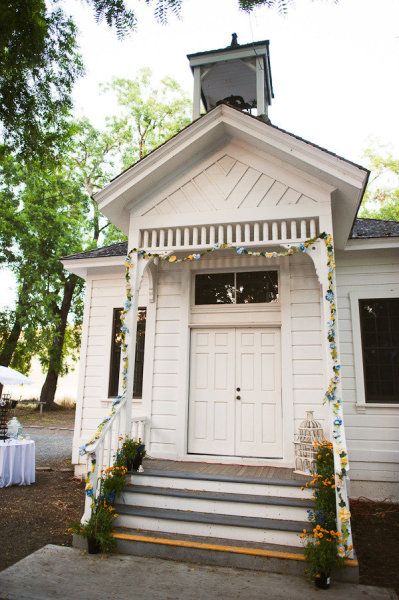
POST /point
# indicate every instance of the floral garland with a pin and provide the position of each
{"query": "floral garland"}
(330, 395)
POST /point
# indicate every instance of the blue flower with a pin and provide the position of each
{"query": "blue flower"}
(302, 248)
(82, 450)
(196, 256)
(125, 329)
(338, 421)
(330, 295)
(128, 304)
(241, 250)
(333, 345)
(89, 493)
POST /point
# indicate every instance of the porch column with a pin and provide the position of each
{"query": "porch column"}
(137, 268)
(318, 253)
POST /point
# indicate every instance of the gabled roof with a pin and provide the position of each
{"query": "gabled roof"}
(201, 137)
(118, 249)
(374, 228)
(363, 229)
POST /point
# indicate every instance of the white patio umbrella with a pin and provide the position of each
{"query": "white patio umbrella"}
(11, 377)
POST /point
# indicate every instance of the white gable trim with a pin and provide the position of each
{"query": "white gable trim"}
(255, 166)
(207, 133)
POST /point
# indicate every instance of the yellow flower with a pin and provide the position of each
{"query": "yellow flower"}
(344, 514)
(172, 258)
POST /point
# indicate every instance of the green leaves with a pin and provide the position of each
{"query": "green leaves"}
(39, 63)
(149, 113)
(381, 200)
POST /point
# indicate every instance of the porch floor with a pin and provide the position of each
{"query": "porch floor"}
(215, 469)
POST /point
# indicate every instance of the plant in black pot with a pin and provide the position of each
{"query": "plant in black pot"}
(322, 539)
(131, 454)
(98, 529)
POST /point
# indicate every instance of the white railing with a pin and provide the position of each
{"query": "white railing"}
(251, 233)
(101, 453)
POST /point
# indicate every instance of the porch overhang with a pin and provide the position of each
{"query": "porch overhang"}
(216, 128)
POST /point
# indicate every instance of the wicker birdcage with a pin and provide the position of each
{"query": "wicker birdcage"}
(310, 431)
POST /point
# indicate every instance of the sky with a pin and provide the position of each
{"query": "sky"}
(334, 66)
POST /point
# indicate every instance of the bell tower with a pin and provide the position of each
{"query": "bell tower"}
(238, 75)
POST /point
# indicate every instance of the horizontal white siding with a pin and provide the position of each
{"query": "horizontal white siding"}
(165, 382)
(107, 293)
(308, 365)
(373, 435)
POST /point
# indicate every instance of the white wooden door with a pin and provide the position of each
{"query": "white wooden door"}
(258, 401)
(211, 410)
(235, 392)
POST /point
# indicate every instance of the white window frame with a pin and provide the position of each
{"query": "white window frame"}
(273, 306)
(355, 296)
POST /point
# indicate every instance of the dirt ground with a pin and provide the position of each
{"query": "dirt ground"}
(55, 418)
(376, 538)
(36, 515)
(33, 516)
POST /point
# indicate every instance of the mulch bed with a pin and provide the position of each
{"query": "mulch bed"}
(33, 516)
(376, 538)
(36, 515)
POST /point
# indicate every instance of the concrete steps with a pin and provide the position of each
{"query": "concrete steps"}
(233, 507)
(220, 552)
(217, 519)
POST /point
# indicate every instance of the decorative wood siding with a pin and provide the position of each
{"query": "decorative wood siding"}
(372, 435)
(166, 361)
(307, 350)
(107, 293)
(228, 183)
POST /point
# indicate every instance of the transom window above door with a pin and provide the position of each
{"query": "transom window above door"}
(241, 287)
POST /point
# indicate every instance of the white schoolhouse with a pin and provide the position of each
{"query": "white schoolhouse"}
(229, 351)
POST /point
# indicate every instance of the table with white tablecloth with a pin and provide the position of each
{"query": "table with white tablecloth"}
(17, 462)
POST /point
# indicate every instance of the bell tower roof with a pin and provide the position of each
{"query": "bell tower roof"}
(239, 75)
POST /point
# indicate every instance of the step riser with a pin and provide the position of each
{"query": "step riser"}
(207, 557)
(293, 513)
(247, 534)
(227, 487)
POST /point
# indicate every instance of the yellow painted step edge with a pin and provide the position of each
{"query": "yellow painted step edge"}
(217, 547)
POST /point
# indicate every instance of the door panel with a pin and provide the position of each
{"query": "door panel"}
(222, 420)
(211, 409)
(258, 411)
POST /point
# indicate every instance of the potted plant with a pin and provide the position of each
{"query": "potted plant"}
(131, 454)
(322, 539)
(98, 529)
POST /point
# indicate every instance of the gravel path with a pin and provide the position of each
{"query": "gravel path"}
(53, 447)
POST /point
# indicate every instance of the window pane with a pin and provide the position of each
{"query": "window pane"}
(115, 354)
(380, 344)
(257, 286)
(214, 288)
(115, 362)
(140, 346)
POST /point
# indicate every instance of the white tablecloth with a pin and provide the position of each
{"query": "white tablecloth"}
(17, 462)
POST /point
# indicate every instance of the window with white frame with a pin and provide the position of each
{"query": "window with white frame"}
(116, 347)
(379, 326)
(241, 287)
(375, 321)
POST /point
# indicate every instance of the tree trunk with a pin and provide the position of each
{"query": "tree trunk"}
(49, 388)
(11, 343)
